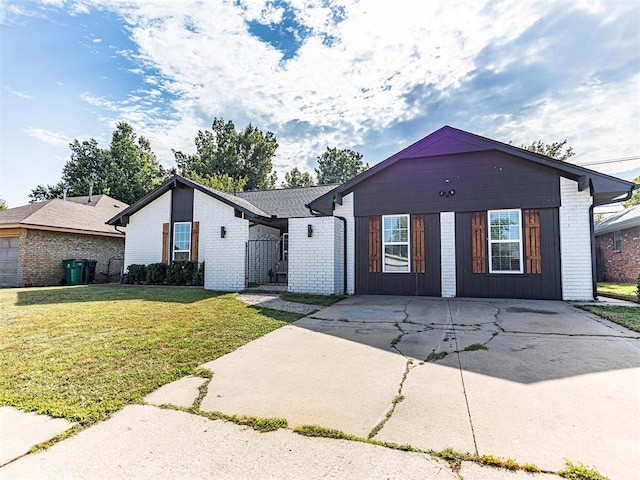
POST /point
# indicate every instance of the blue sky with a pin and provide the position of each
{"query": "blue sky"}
(370, 75)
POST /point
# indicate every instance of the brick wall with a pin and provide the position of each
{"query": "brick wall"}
(448, 253)
(144, 232)
(42, 253)
(224, 257)
(315, 263)
(575, 241)
(624, 265)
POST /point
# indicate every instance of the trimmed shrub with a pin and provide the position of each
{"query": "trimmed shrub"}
(157, 273)
(199, 278)
(181, 272)
(136, 273)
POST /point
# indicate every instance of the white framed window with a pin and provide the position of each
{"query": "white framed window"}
(181, 241)
(395, 244)
(617, 241)
(505, 241)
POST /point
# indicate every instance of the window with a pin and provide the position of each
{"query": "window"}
(285, 248)
(617, 241)
(182, 241)
(395, 243)
(505, 241)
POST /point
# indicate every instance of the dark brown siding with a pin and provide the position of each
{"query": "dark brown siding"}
(182, 205)
(481, 181)
(545, 285)
(427, 283)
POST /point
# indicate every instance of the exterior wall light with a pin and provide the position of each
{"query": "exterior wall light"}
(447, 193)
(309, 230)
(223, 232)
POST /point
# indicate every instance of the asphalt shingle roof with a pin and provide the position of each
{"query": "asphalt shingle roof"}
(74, 214)
(286, 202)
(627, 218)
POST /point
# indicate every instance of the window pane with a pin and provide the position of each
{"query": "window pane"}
(396, 229)
(505, 225)
(505, 256)
(181, 256)
(396, 258)
(181, 237)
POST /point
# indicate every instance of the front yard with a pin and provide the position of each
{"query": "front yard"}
(82, 353)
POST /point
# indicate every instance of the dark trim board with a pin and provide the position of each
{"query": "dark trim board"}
(546, 285)
(423, 284)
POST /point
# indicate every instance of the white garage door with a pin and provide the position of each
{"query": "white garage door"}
(9, 262)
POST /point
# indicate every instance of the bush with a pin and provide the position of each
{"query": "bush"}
(181, 272)
(157, 273)
(136, 273)
(199, 279)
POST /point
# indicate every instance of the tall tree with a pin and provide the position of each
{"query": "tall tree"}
(558, 150)
(3, 204)
(297, 178)
(635, 197)
(127, 170)
(339, 166)
(245, 156)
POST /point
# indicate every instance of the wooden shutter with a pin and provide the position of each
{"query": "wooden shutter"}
(374, 244)
(417, 243)
(195, 234)
(533, 254)
(165, 243)
(479, 241)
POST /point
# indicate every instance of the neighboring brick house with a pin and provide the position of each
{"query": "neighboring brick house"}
(618, 246)
(454, 214)
(36, 238)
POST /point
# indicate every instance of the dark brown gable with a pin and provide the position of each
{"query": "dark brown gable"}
(374, 244)
(479, 241)
(533, 254)
(417, 244)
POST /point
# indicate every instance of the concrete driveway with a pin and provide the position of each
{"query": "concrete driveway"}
(554, 382)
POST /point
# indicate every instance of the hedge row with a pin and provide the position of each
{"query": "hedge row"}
(181, 272)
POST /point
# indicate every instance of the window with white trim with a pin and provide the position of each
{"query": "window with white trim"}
(617, 241)
(505, 241)
(181, 241)
(395, 243)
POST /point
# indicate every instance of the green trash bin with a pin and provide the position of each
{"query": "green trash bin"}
(73, 271)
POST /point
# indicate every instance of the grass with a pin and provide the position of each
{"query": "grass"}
(578, 471)
(628, 317)
(627, 290)
(83, 353)
(435, 356)
(475, 346)
(322, 300)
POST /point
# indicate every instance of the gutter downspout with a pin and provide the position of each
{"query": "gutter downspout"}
(315, 213)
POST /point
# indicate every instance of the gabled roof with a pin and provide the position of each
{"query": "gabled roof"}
(448, 140)
(627, 218)
(258, 205)
(72, 215)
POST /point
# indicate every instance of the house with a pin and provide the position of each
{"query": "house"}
(454, 214)
(618, 246)
(36, 238)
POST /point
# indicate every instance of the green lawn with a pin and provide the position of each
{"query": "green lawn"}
(619, 289)
(626, 316)
(83, 353)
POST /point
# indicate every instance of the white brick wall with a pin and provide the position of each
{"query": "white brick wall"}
(575, 241)
(224, 257)
(143, 242)
(448, 253)
(313, 261)
(346, 210)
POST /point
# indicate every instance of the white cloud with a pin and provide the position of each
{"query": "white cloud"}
(19, 93)
(382, 62)
(47, 136)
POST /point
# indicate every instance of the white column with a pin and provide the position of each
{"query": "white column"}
(448, 253)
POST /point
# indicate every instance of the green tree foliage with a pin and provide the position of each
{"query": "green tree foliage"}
(221, 182)
(339, 166)
(244, 156)
(127, 170)
(558, 150)
(635, 197)
(3, 204)
(296, 178)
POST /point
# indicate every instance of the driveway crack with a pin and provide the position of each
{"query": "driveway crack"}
(464, 389)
